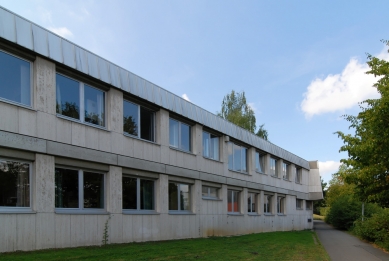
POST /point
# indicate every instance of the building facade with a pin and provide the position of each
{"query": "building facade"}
(86, 145)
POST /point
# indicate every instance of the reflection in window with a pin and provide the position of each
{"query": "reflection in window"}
(179, 198)
(233, 201)
(267, 204)
(259, 162)
(251, 203)
(94, 105)
(237, 157)
(280, 205)
(285, 171)
(138, 194)
(14, 184)
(179, 135)
(273, 167)
(209, 192)
(210, 146)
(15, 79)
(299, 203)
(68, 97)
(138, 121)
(297, 172)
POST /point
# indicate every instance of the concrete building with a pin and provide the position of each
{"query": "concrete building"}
(83, 142)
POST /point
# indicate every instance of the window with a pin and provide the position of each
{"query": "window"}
(138, 194)
(267, 204)
(179, 135)
(299, 203)
(79, 101)
(259, 166)
(237, 157)
(273, 167)
(14, 185)
(251, 208)
(210, 146)
(79, 190)
(308, 205)
(233, 201)
(285, 171)
(15, 79)
(138, 121)
(298, 175)
(209, 192)
(280, 205)
(179, 197)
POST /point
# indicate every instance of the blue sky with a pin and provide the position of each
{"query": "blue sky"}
(300, 63)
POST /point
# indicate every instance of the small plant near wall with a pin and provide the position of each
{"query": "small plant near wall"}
(105, 233)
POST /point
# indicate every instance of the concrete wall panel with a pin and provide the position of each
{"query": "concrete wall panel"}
(25, 232)
(44, 183)
(44, 85)
(45, 230)
(63, 231)
(8, 232)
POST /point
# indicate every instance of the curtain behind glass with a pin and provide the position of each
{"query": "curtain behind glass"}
(173, 133)
(184, 197)
(146, 194)
(206, 139)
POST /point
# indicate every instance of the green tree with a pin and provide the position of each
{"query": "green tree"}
(337, 187)
(368, 148)
(236, 110)
(317, 204)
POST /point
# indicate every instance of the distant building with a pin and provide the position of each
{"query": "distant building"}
(82, 140)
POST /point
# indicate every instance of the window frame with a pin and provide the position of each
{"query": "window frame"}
(281, 205)
(209, 189)
(31, 78)
(250, 196)
(28, 209)
(81, 90)
(139, 123)
(308, 205)
(138, 210)
(233, 212)
(260, 157)
(298, 175)
(180, 211)
(180, 135)
(275, 174)
(81, 209)
(210, 146)
(241, 158)
(285, 171)
(299, 204)
(267, 207)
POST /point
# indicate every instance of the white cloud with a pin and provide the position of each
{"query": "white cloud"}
(252, 106)
(327, 168)
(185, 97)
(62, 31)
(340, 91)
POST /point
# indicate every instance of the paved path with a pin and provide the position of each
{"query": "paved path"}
(343, 247)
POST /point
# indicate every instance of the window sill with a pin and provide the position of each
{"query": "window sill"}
(137, 138)
(253, 214)
(81, 212)
(281, 214)
(240, 172)
(274, 177)
(213, 199)
(83, 123)
(262, 173)
(140, 212)
(16, 211)
(17, 104)
(268, 214)
(299, 209)
(177, 212)
(218, 161)
(287, 180)
(299, 183)
(184, 151)
(234, 214)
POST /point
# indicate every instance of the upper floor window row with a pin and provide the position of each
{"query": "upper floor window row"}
(210, 146)
(237, 157)
(79, 101)
(15, 79)
(138, 121)
(180, 135)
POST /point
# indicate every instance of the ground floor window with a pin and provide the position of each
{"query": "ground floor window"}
(308, 205)
(138, 194)
(280, 205)
(267, 204)
(299, 203)
(14, 184)
(209, 192)
(79, 189)
(179, 197)
(251, 207)
(233, 201)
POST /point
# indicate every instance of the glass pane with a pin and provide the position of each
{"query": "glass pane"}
(129, 193)
(68, 97)
(213, 192)
(146, 124)
(230, 156)
(206, 140)
(244, 159)
(15, 83)
(184, 197)
(66, 188)
(173, 133)
(214, 147)
(235, 203)
(258, 162)
(94, 105)
(93, 190)
(173, 196)
(185, 137)
(146, 194)
(14, 184)
(205, 191)
(251, 202)
(237, 158)
(229, 199)
(130, 118)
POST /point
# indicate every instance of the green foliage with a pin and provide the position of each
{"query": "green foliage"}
(375, 228)
(324, 211)
(338, 187)
(105, 232)
(236, 110)
(368, 153)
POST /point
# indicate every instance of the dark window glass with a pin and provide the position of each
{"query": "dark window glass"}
(14, 184)
(173, 196)
(66, 188)
(129, 193)
(68, 97)
(146, 194)
(93, 190)
(130, 118)
(94, 105)
(15, 83)
(146, 124)
(184, 197)
(185, 137)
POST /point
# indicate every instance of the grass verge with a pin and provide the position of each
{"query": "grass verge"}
(294, 245)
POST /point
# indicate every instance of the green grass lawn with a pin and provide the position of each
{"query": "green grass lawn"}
(295, 245)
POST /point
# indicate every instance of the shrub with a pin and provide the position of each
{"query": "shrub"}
(324, 211)
(375, 228)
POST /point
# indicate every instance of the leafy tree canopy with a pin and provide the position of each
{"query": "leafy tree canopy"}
(368, 149)
(236, 110)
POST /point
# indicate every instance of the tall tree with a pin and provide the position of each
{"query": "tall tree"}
(236, 110)
(368, 148)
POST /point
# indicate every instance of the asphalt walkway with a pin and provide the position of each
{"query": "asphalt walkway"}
(343, 247)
